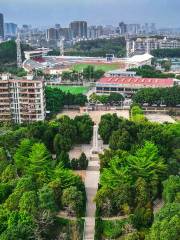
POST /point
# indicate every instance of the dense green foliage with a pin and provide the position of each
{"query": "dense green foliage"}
(73, 89)
(171, 189)
(8, 57)
(137, 114)
(160, 96)
(19, 72)
(56, 99)
(34, 187)
(113, 229)
(98, 48)
(166, 64)
(81, 163)
(113, 98)
(108, 124)
(166, 53)
(133, 174)
(8, 54)
(167, 220)
(151, 72)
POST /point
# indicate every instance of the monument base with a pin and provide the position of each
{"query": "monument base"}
(94, 151)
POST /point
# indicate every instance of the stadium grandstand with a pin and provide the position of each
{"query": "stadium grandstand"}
(129, 85)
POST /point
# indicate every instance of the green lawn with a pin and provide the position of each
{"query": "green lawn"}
(74, 89)
(104, 67)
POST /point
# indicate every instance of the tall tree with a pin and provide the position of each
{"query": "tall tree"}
(21, 156)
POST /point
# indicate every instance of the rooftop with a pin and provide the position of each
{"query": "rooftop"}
(156, 82)
(140, 58)
(120, 71)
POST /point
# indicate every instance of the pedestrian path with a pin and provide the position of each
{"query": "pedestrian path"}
(91, 185)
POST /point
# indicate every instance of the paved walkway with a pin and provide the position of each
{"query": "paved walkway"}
(158, 204)
(91, 185)
(160, 118)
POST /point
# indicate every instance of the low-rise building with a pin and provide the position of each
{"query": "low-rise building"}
(129, 85)
(38, 53)
(21, 99)
(120, 73)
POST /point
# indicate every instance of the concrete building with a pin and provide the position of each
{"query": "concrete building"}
(95, 32)
(65, 33)
(21, 100)
(133, 29)
(1, 27)
(38, 53)
(57, 25)
(26, 28)
(122, 28)
(129, 85)
(51, 34)
(120, 73)
(141, 44)
(92, 32)
(78, 29)
(10, 29)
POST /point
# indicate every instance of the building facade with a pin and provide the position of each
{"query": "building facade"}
(64, 33)
(142, 44)
(122, 28)
(78, 29)
(10, 29)
(130, 85)
(120, 73)
(51, 34)
(1, 26)
(22, 100)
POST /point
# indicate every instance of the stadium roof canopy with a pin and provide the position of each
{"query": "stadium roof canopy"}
(140, 58)
(146, 82)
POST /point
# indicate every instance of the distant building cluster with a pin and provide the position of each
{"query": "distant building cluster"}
(10, 30)
(135, 29)
(142, 45)
(52, 37)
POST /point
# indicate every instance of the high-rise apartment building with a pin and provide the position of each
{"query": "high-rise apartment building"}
(51, 34)
(57, 25)
(133, 29)
(1, 26)
(78, 29)
(122, 28)
(21, 100)
(10, 29)
(65, 33)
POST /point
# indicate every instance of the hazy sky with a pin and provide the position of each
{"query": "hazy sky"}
(48, 12)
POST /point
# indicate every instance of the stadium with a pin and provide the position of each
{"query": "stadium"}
(38, 60)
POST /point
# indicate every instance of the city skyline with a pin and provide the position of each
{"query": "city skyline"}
(162, 12)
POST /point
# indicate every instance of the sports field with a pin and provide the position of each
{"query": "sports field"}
(74, 89)
(104, 67)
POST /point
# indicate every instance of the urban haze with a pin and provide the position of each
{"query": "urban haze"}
(43, 12)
